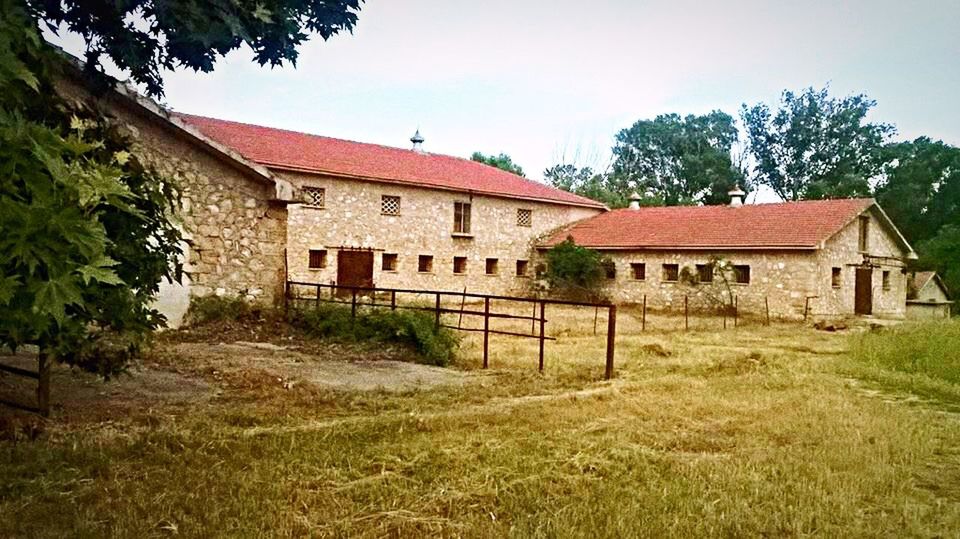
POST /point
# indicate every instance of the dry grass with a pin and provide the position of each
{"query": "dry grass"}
(736, 433)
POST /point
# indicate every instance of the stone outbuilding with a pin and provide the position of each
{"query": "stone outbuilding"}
(797, 259)
(927, 296)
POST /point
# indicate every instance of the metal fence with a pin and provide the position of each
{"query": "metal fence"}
(304, 293)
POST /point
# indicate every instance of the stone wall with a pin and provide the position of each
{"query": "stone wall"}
(235, 236)
(783, 278)
(352, 218)
(842, 251)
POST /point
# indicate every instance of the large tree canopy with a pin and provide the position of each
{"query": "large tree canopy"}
(502, 161)
(920, 188)
(585, 182)
(147, 36)
(815, 146)
(676, 160)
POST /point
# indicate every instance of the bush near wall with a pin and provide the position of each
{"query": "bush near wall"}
(416, 329)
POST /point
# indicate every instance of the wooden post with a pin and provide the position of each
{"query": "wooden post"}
(686, 313)
(353, 303)
(286, 296)
(643, 317)
(736, 310)
(43, 383)
(723, 311)
(486, 332)
(611, 339)
(393, 300)
(438, 311)
(596, 314)
(543, 320)
(533, 319)
(766, 305)
(806, 308)
(318, 297)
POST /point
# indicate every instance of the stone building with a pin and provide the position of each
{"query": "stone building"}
(927, 296)
(370, 215)
(264, 205)
(822, 258)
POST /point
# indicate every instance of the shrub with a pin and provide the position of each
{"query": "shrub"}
(411, 328)
(574, 271)
(207, 309)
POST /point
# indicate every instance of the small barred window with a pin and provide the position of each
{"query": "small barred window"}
(390, 205)
(313, 196)
(524, 217)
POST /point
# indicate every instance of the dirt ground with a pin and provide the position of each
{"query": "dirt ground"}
(188, 374)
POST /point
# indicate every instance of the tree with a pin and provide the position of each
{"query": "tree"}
(815, 146)
(585, 182)
(87, 235)
(673, 160)
(920, 188)
(502, 161)
(175, 33)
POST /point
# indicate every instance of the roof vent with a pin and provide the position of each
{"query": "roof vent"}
(635, 201)
(736, 196)
(417, 140)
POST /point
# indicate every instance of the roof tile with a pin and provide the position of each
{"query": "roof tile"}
(787, 225)
(313, 153)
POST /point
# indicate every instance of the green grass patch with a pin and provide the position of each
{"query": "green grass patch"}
(930, 348)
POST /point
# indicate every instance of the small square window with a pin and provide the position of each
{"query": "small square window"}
(639, 271)
(741, 274)
(425, 264)
(389, 262)
(836, 278)
(524, 217)
(522, 268)
(314, 197)
(318, 258)
(705, 273)
(886, 280)
(459, 264)
(610, 269)
(492, 266)
(671, 273)
(390, 205)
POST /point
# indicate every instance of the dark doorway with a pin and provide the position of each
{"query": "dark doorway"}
(863, 293)
(354, 268)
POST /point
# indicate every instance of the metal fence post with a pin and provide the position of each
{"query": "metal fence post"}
(318, 297)
(611, 339)
(543, 307)
(643, 317)
(486, 332)
(686, 313)
(353, 303)
(438, 312)
(766, 305)
(393, 300)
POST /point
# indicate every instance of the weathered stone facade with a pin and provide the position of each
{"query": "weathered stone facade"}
(235, 233)
(883, 255)
(782, 279)
(352, 218)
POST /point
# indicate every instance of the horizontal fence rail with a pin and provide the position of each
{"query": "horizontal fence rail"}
(387, 298)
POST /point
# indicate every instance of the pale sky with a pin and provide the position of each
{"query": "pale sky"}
(540, 79)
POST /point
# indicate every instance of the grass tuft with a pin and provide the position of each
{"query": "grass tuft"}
(929, 348)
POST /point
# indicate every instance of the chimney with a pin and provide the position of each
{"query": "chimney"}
(736, 196)
(635, 201)
(417, 140)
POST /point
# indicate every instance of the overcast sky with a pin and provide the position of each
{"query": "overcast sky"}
(543, 79)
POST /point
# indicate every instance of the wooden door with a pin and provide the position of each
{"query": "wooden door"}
(354, 268)
(863, 292)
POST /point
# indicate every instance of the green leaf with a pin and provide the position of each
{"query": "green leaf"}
(99, 270)
(53, 296)
(8, 286)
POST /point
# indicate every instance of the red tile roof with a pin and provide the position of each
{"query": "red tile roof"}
(279, 148)
(788, 225)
